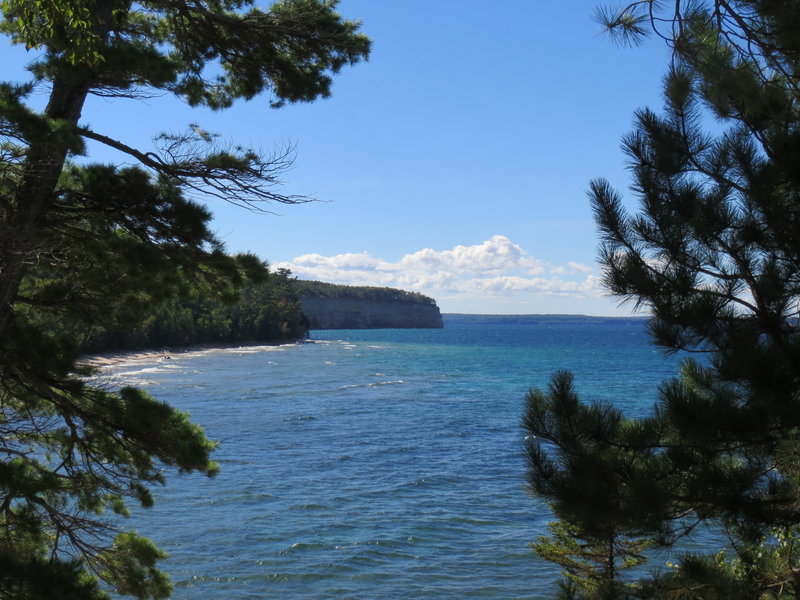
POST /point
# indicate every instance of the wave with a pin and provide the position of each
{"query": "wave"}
(301, 418)
(373, 384)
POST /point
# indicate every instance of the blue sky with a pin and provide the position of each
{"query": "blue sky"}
(454, 162)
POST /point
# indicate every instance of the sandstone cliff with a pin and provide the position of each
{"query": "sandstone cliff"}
(329, 306)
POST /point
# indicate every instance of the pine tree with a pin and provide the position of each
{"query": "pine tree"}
(584, 461)
(713, 255)
(85, 246)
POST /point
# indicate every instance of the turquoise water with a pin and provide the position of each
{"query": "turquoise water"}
(376, 464)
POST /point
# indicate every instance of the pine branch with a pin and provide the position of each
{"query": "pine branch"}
(241, 177)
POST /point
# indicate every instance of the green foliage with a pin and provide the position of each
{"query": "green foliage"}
(713, 255)
(591, 565)
(264, 311)
(594, 467)
(38, 578)
(116, 243)
(290, 50)
(99, 250)
(134, 557)
(62, 26)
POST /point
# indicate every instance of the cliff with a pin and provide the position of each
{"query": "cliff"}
(328, 306)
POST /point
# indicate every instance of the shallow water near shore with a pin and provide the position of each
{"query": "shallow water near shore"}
(375, 464)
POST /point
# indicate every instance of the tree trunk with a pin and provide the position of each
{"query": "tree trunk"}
(35, 190)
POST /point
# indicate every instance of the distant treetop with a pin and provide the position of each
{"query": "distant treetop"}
(319, 289)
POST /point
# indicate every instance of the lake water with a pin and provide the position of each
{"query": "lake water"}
(376, 464)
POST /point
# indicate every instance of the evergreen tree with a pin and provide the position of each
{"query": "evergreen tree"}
(714, 256)
(592, 477)
(98, 246)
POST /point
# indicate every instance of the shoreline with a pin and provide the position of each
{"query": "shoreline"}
(118, 357)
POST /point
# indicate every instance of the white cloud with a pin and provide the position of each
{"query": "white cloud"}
(571, 267)
(362, 260)
(495, 268)
(492, 256)
(577, 267)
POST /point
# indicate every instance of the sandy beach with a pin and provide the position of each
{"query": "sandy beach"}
(116, 358)
(111, 359)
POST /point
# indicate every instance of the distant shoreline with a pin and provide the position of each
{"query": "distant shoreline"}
(534, 318)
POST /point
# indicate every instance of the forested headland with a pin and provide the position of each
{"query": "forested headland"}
(265, 311)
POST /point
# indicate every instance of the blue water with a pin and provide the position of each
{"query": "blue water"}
(376, 464)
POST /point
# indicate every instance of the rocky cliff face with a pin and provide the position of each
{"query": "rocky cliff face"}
(363, 313)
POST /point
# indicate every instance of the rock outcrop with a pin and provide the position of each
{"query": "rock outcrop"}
(329, 306)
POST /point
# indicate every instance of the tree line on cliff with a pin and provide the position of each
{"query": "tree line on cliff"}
(319, 289)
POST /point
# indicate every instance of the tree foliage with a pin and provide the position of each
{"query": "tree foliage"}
(262, 311)
(88, 248)
(596, 476)
(319, 289)
(713, 254)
